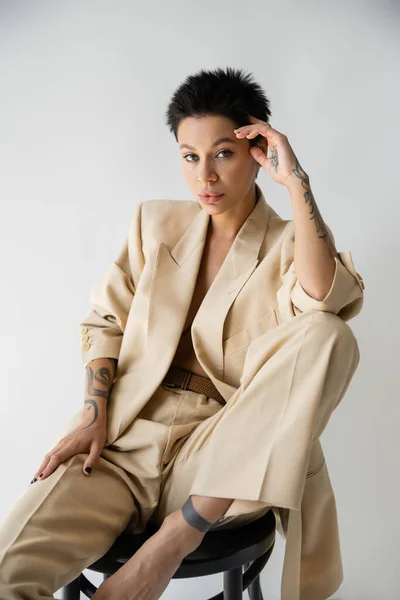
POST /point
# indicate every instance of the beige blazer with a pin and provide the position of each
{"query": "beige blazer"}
(139, 307)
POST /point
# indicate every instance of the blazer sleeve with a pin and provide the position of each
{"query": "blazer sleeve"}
(345, 297)
(111, 297)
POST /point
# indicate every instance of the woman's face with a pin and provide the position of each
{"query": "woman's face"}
(225, 167)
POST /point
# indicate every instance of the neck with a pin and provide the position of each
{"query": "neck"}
(225, 227)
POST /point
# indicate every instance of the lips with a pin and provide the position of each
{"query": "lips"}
(210, 199)
(211, 195)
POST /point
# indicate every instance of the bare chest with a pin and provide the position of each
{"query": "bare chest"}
(213, 257)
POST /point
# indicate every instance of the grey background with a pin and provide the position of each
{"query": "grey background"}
(84, 86)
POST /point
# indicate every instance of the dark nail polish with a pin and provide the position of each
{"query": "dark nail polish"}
(88, 469)
(40, 474)
(33, 480)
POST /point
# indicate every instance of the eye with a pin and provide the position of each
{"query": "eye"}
(226, 150)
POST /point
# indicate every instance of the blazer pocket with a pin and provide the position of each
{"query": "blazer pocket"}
(235, 347)
(242, 339)
(236, 342)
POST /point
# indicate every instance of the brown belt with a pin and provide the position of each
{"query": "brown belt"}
(186, 380)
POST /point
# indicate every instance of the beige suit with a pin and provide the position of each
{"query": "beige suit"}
(281, 359)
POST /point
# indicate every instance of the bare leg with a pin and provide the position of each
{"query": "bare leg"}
(146, 575)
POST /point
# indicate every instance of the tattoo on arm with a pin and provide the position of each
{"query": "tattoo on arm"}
(104, 377)
(314, 211)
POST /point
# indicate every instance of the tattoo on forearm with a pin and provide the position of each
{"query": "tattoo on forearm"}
(314, 211)
(102, 376)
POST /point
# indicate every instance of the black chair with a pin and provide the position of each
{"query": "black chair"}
(221, 551)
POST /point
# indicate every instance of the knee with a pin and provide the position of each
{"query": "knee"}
(328, 325)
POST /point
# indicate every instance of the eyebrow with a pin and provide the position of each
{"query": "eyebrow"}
(224, 139)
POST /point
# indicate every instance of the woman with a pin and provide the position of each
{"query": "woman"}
(216, 350)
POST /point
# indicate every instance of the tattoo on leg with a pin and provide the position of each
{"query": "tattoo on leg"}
(192, 517)
(316, 215)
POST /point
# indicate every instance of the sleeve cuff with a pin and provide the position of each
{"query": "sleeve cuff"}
(347, 285)
(101, 349)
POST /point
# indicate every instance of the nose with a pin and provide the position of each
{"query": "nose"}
(206, 171)
(206, 175)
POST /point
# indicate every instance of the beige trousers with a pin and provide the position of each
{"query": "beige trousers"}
(61, 525)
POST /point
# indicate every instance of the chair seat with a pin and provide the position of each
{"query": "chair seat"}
(220, 550)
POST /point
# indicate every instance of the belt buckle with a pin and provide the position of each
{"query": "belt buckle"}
(184, 384)
(186, 379)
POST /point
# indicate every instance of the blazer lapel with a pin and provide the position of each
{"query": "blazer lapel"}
(174, 280)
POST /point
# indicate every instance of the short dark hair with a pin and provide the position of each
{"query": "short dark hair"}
(230, 93)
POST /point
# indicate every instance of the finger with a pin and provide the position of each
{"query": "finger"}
(92, 459)
(241, 134)
(263, 128)
(253, 131)
(243, 128)
(253, 134)
(42, 466)
(58, 457)
(52, 465)
(259, 156)
(45, 462)
(56, 448)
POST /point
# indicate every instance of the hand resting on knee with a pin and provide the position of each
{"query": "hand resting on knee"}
(88, 436)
